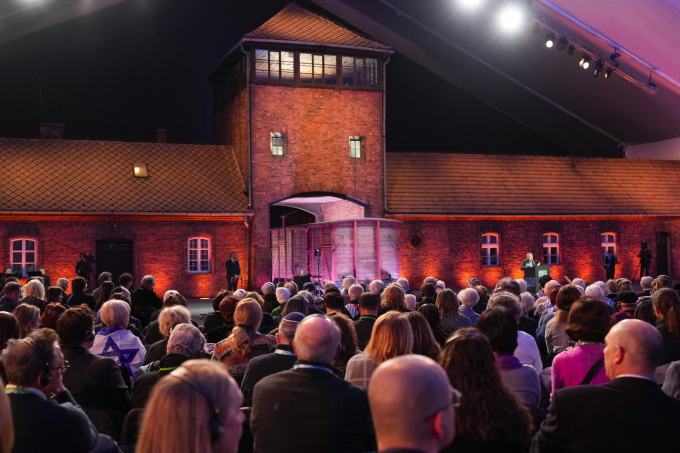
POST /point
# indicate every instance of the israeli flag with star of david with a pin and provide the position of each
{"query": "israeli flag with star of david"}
(122, 346)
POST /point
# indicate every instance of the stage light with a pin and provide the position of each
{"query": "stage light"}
(562, 43)
(599, 66)
(470, 4)
(510, 18)
(608, 73)
(585, 61)
(549, 40)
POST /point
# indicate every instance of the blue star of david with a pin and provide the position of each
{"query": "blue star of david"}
(125, 356)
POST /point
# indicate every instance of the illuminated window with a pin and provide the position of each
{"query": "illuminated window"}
(199, 255)
(490, 250)
(319, 69)
(276, 143)
(355, 144)
(360, 72)
(551, 248)
(274, 65)
(607, 242)
(23, 256)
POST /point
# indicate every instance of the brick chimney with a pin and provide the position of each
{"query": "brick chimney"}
(161, 136)
(52, 131)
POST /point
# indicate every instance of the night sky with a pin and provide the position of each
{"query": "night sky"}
(123, 72)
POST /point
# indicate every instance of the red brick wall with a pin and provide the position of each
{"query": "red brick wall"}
(159, 246)
(317, 123)
(231, 128)
(341, 210)
(451, 248)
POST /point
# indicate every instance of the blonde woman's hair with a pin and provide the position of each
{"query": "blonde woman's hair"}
(184, 409)
(6, 425)
(172, 316)
(34, 289)
(247, 317)
(391, 337)
(115, 313)
(393, 298)
(26, 314)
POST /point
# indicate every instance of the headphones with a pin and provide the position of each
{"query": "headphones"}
(216, 428)
(45, 376)
(89, 336)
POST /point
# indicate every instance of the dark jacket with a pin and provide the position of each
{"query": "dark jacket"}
(266, 365)
(6, 304)
(33, 301)
(233, 268)
(145, 383)
(364, 327)
(81, 297)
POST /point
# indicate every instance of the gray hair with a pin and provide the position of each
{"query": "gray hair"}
(403, 283)
(468, 297)
(522, 284)
(355, 291)
(603, 286)
(376, 286)
(268, 288)
(646, 282)
(172, 316)
(147, 279)
(62, 282)
(507, 300)
(115, 313)
(186, 340)
(526, 301)
(411, 302)
(432, 280)
(595, 291)
(35, 289)
(579, 282)
(309, 297)
(347, 282)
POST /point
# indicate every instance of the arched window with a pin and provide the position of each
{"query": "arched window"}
(23, 256)
(551, 248)
(607, 242)
(199, 255)
(490, 247)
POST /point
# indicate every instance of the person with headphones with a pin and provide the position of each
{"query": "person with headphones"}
(194, 409)
(34, 367)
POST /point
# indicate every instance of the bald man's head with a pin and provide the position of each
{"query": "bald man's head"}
(633, 347)
(408, 396)
(317, 339)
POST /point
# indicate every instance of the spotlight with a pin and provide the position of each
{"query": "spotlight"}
(571, 50)
(608, 73)
(585, 61)
(562, 43)
(613, 56)
(651, 85)
(599, 65)
(510, 18)
(549, 40)
(470, 4)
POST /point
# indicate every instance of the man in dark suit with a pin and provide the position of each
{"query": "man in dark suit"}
(309, 409)
(145, 301)
(11, 293)
(79, 296)
(628, 414)
(610, 264)
(233, 272)
(369, 306)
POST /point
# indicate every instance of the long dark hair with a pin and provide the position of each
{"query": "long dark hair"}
(424, 342)
(667, 301)
(104, 293)
(489, 411)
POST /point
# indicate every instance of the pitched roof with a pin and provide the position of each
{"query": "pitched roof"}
(97, 176)
(296, 24)
(474, 184)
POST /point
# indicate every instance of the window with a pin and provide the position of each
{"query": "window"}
(551, 248)
(607, 242)
(355, 144)
(490, 250)
(274, 66)
(359, 72)
(199, 255)
(276, 144)
(320, 69)
(23, 256)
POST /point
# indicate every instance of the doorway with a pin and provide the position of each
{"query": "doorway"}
(663, 247)
(115, 256)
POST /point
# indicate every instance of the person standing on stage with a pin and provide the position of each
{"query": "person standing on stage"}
(529, 263)
(233, 272)
(645, 256)
(610, 264)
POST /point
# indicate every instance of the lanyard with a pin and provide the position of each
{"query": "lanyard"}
(168, 368)
(284, 352)
(313, 367)
(13, 389)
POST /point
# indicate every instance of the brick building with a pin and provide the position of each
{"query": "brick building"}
(299, 105)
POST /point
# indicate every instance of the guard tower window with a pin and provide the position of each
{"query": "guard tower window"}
(274, 65)
(318, 69)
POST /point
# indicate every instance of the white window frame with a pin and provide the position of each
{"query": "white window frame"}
(355, 146)
(23, 262)
(607, 242)
(277, 143)
(549, 244)
(487, 246)
(203, 244)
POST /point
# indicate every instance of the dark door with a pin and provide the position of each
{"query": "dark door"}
(115, 256)
(663, 243)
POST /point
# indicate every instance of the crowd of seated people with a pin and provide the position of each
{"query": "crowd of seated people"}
(355, 368)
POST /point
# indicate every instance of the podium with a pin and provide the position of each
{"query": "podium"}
(533, 274)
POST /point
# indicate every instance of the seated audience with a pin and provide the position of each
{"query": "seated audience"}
(226, 311)
(282, 296)
(620, 410)
(334, 303)
(322, 413)
(214, 319)
(11, 294)
(667, 308)
(412, 405)
(404, 285)
(391, 336)
(369, 306)
(33, 293)
(468, 298)
(54, 294)
(587, 324)
(9, 329)
(483, 298)
(210, 419)
(428, 293)
(423, 338)
(152, 332)
(376, 287)
(433, 318)
(116, 342)
(169, 318)
(145, 301)
(348, 341)
(6, 426)
(186, 342)
(28, 317)
(489, 418)
(393, 299)
(411, 302)
(269, 296)
(53, 311)
(556, 338)
(245, 342)
(79, 296)
(104, 293)
(448, 304)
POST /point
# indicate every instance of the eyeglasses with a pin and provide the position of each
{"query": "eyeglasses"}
(65, 366)
(456, 398)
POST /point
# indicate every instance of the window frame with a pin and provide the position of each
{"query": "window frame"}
(548, 257)
(272, 74)
(23, 262)
(487, 246)
(275, 136)
(606, 244)
(353, 140)
(199, 248)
